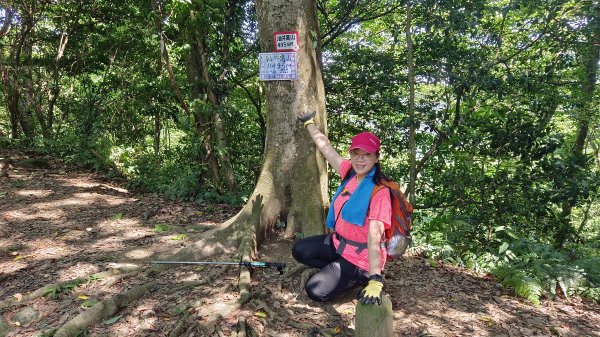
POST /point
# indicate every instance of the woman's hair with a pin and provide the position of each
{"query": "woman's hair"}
(378, 174)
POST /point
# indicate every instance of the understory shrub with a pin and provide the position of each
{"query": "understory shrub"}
(534, 269)
(538, 270)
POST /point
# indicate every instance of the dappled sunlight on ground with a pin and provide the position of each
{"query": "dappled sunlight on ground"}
(139, 254)
(34, 193)
(57, 227)
(91, 198)
(80, 269)
(31, 213)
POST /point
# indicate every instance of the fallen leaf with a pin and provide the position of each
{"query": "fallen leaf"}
(82, 297)
(112, 320)
(260, 314)
(349, 312)
(490, 322)
(337, 330)
(18, 297)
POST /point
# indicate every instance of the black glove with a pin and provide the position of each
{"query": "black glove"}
(307, 118)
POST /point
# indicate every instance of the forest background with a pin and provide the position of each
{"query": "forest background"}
(487, 111)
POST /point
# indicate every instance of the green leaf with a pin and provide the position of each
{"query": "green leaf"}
(180, 237)
(88, 303)
(503, 247)
(118, 216)
(112, 320)
(53, 292)
(161, 228)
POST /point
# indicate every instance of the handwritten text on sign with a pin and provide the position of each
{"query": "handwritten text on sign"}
(286, 41)
(278, 66)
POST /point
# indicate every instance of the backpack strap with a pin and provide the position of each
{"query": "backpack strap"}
(360, 246)
(395, 193)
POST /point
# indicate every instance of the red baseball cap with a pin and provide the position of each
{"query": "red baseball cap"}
(366, 141)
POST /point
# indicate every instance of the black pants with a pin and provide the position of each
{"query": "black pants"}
(336, 275)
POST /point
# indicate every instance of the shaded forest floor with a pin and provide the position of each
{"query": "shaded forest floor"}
(57, 224)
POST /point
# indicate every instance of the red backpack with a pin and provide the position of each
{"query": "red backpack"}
(397, 237)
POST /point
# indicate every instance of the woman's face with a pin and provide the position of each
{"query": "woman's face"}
(362, 161)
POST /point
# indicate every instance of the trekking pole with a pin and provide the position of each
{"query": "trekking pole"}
(280, 266)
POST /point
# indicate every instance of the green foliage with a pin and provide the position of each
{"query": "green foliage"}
(54, 292)
(524, 285)
(502, 107)
(161, 228)
(48, 333)
(180, 237)
(18, 183)
(590, 266)
(539, 270)
(532, 268)
(113, 320)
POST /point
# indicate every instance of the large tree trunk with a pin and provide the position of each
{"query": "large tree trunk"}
(293, 180)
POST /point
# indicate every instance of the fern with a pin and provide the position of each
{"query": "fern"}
(539, 270)
(590, 266)
(592, 294)
(525, 286)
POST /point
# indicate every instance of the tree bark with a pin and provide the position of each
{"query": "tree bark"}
(590, 56)
(215, 98)
(194, 74)
(293, 181)
(158, 17)
(411, 105)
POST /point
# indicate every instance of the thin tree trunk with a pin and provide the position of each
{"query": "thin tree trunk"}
(7, 22)
(411, 105)
(20, 105)
(157, 129)
(203, 123)
(62, 45)
(158, 17)
(215, 100)
(590, 57)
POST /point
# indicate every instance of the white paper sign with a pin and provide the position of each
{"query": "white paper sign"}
(286, 41)
(278, 66)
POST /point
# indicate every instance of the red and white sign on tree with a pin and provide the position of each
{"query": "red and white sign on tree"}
(286, 41)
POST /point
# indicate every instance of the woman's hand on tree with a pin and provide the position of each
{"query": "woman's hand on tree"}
(307, 118)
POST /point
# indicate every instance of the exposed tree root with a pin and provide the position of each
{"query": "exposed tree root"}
(241, 327)
(102, 310)
(181, 325)
(112, 276)
(293, 271)
(219, 331)
(305, 276)
(237, 236)
(289, 321)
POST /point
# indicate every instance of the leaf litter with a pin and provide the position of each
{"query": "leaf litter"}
(61, 224)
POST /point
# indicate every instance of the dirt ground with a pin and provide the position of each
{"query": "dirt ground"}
(58, 224)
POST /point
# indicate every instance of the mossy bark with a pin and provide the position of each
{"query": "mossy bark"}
(374, 320)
